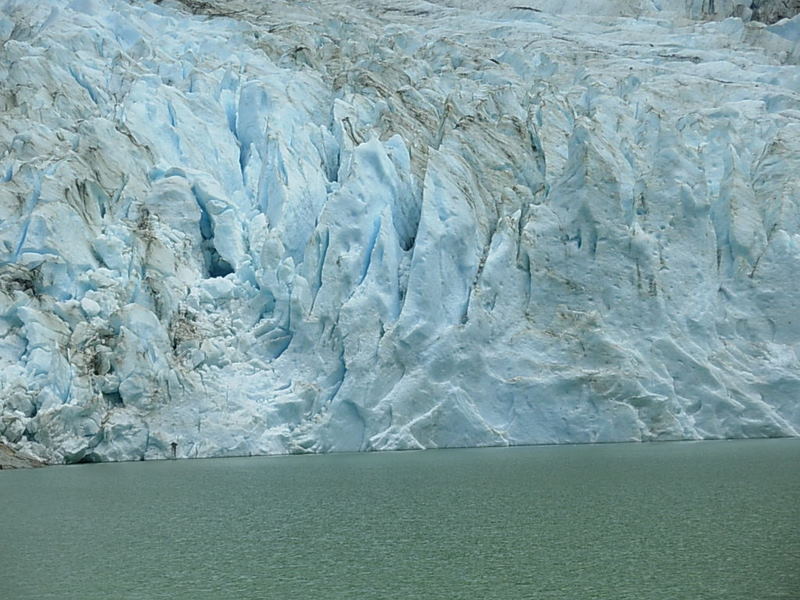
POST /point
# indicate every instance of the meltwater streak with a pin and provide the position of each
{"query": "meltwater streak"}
(681, 520)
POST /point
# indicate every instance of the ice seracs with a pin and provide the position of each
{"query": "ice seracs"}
(272, 227)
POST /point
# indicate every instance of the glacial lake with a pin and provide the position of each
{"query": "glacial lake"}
(691, 520)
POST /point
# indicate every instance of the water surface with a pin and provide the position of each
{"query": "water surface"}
(625, 521)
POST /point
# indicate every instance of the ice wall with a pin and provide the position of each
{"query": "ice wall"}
(281, 227)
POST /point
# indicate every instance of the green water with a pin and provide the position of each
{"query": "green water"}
(639, 521)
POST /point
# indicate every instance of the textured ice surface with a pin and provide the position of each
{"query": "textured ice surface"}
(351, 226)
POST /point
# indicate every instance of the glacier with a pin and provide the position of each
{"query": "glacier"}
(277, 227)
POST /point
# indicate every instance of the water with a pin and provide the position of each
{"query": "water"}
(647, 521)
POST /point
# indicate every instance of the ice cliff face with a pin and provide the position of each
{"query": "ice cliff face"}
(318, 226)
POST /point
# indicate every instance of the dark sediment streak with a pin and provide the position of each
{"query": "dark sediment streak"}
(11, 460)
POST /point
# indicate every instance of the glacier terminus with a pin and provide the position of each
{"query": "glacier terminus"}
(251, 227)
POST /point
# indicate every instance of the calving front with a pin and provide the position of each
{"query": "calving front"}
(322, 227)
